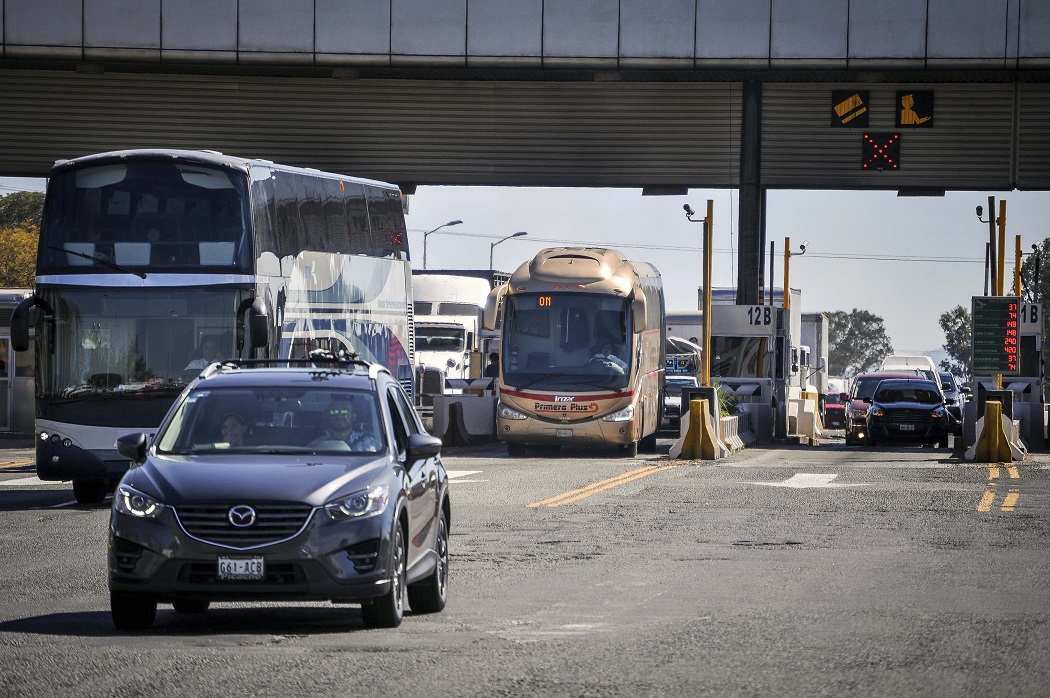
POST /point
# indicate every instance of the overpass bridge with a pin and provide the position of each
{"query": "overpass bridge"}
(665, 95)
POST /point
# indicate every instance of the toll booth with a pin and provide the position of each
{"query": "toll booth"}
(17, 386)
(1022, 392)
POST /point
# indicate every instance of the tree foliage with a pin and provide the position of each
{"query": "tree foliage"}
(857, 342)
(18, 256)
(23, 208)
(958, 341)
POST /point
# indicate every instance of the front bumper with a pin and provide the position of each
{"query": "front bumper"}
(920, 433)
(344, 561)
(587, 434)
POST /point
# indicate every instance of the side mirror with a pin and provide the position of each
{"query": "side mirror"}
(638, 310)
(132, 446)
(258, 324)
(844, 397)
(866, 399)
(949, 401)
(492, 304)
(422, 446)
(964, 389)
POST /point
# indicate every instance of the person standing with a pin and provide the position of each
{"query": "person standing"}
(492, 370)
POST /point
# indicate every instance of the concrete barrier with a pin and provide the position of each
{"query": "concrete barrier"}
(730, 433)
(479, 415)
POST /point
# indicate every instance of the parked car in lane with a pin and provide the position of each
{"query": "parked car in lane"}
(834, 411)
(282, 481)
(864, 386)
(672, 417)
(955, 396)
(909, 410)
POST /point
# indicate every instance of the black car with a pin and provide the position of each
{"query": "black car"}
(956, 396)
(672, 414)
(907, 410)
(282, 481)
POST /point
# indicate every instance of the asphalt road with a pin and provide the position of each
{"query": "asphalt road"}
(801, 571)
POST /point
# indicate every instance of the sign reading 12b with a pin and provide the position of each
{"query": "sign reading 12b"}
(996, 331)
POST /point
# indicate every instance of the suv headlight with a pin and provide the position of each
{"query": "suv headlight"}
(509, 412)
(130, 501)
(624, 415)
(368, 502)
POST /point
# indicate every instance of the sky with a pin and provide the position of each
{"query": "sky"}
(905, 259)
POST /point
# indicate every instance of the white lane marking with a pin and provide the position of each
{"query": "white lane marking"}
(453, 474)
(806, 480)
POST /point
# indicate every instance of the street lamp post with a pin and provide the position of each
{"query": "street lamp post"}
(492, 247)
(426, 234)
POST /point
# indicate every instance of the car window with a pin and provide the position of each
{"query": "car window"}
(923, 393)
(397, 423)
(274, 418)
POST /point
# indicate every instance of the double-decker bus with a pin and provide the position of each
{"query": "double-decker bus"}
(154, 263)
(582, 351)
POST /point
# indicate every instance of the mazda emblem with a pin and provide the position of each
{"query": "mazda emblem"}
(241, 516)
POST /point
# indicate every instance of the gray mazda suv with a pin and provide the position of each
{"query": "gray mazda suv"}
(277, 480)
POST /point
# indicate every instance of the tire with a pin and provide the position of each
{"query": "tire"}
(430, 595)
(872, 441)
(190, 605)
(90, 491)
(386, 611)
(943, 443)
(132, 611)
(517, 450)
(629, 450)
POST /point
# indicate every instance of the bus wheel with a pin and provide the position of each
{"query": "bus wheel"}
(629, 450)
(517, 450)
(90, 491)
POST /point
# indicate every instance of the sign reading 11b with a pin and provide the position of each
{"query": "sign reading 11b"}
(996, 335)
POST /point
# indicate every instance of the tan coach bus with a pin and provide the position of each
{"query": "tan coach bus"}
(582, 358)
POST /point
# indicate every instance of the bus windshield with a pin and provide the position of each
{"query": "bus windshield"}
(567, 341)
(134, 343)
(171, 216)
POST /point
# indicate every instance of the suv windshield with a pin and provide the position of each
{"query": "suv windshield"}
(287, 419)
(921, 392)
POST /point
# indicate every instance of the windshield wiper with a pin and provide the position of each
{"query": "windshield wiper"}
(101, 260)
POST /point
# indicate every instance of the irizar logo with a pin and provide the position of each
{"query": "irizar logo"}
(563, 398)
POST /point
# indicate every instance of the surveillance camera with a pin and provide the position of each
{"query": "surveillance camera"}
(688, 210)
(980, 211)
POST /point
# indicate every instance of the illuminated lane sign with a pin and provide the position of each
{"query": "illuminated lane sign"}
(881, 151)
(996, 334)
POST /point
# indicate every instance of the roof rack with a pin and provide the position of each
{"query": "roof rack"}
(318, 361)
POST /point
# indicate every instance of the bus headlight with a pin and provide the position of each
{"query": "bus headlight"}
(505, 412)
(624, 415)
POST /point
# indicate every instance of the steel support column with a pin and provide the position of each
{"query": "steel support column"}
(752, 218)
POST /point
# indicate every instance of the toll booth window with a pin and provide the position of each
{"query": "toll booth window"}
(740, 357)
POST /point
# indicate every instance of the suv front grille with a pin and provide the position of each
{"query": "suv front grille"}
(274, 523)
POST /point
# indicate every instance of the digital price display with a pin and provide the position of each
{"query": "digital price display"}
(996, 335)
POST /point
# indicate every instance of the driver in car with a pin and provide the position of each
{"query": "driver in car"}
(341, 426)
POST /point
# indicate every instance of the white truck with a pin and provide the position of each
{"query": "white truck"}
(449, 340)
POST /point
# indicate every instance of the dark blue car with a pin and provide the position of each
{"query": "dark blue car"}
(908, 410)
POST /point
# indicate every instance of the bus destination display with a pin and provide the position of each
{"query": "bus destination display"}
(996, 324)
